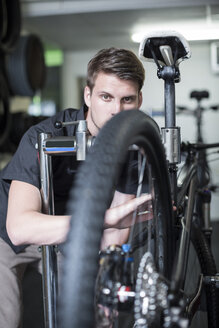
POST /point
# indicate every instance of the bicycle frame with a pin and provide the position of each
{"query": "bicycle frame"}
(172, 141)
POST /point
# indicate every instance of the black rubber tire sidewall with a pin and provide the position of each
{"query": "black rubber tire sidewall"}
(82, 246)
(25, 67)
(12, 14)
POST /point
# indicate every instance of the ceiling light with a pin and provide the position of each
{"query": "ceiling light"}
(191, 31)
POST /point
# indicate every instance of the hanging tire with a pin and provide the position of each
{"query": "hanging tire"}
(5, 116)
(90, 198)
(25, 67)
(10, 24)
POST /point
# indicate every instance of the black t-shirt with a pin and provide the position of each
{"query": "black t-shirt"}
(24, 166)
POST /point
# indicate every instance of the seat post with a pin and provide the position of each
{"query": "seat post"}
(170, 74)
(171, 133)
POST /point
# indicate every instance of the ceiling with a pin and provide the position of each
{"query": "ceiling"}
(89, 24)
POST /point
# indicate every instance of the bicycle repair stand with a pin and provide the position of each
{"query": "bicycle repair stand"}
(49, 146)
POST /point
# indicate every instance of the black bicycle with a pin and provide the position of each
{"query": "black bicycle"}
(165, 274)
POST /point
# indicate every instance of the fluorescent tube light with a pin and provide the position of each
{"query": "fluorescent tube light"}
(191, 31)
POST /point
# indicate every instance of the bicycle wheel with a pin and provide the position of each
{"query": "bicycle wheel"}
(202, 309)
(200, 296)
(90, 198)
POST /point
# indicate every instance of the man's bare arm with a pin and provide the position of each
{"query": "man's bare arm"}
(25, 222)
(27, 225)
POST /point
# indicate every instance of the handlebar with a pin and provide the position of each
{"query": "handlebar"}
(187, 147)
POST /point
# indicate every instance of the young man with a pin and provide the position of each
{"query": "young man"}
(114, 81)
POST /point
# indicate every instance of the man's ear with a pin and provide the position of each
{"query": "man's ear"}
(87, 94)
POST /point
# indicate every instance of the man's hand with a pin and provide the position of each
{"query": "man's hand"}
(119, 217)
(120, 214)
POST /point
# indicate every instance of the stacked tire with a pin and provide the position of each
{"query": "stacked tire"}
(5, 117)
(10, 24)
(25, 67)
(22, 64)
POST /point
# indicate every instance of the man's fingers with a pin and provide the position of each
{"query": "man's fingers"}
(115, 214)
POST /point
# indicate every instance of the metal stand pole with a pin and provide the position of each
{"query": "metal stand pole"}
(49, 254)
(48, 146)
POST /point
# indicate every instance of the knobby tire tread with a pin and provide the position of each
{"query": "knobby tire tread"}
(95, 182)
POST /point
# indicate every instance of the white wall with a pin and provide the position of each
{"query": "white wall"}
(75, 66)
(196, 74)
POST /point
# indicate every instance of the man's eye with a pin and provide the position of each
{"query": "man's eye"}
(127, 99)
(105, 97)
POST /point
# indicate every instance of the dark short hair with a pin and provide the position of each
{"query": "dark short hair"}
(120, 62)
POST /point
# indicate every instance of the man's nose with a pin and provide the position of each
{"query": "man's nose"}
(117, 108)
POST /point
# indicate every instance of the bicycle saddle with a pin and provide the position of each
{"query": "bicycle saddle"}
(166, 48)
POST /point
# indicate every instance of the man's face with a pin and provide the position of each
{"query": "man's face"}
(109, 96)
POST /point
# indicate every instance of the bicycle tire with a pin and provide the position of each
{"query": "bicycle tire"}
(90, 198)
(208, 269)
